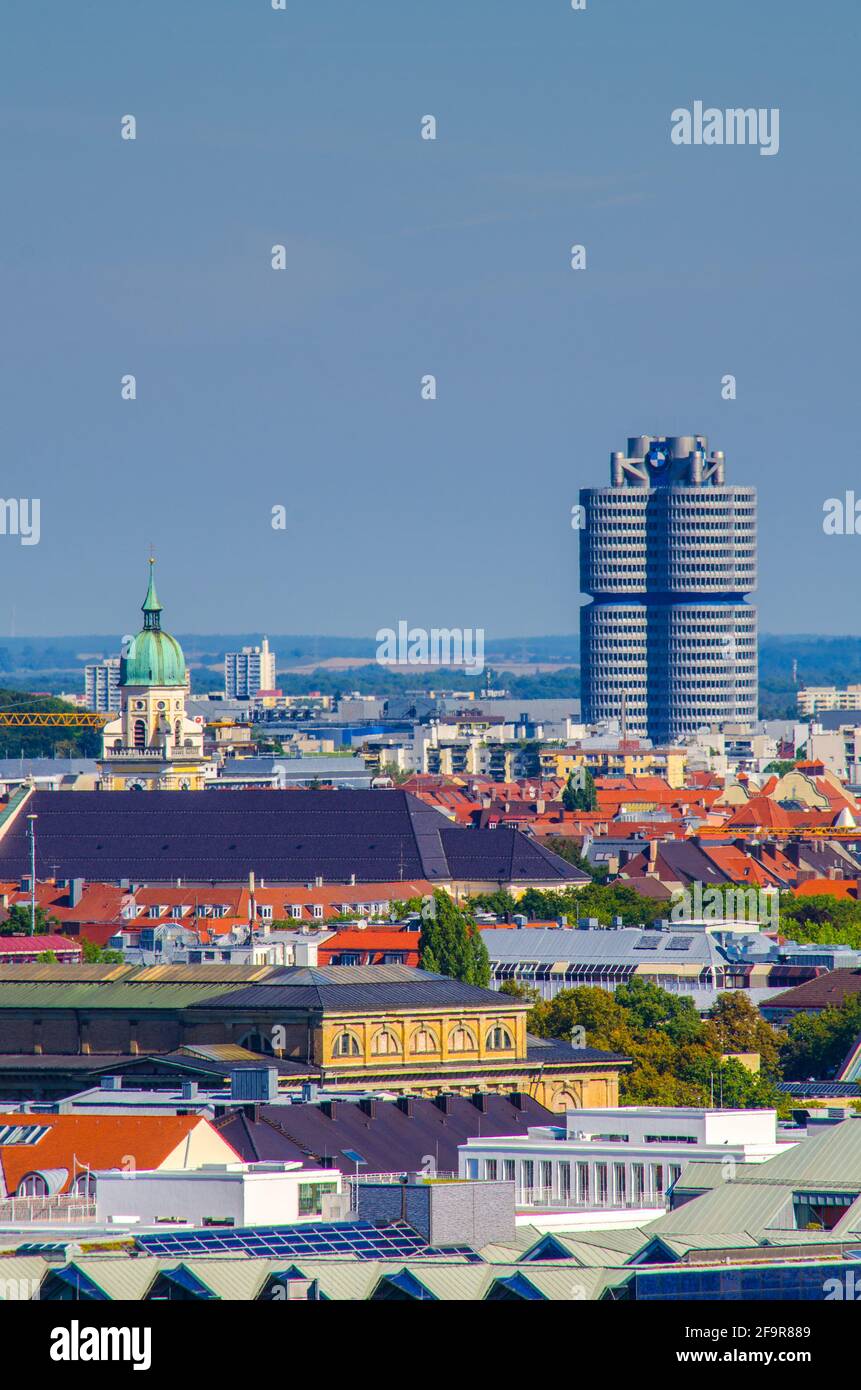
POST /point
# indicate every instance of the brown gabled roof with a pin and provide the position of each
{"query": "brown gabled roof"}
(830, 988)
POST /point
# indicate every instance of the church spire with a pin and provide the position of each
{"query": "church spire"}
(151, 608)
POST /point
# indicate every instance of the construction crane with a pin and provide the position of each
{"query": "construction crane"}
(23, 718)
(35, 719)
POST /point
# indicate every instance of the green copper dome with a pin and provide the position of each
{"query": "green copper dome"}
(153, 657)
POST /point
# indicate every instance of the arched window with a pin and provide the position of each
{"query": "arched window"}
(257, 1042)
(139, 733)
(177, 732)
(462, 1039)
(424, 1040)
(84, 1185)
(346, 1044)
(33, 1185)
(384, 1043)
(499, 1039)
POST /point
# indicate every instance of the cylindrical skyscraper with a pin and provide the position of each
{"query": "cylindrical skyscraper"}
(667, 554)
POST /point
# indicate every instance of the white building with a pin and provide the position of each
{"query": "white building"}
(222, 1194)
(248, 672)
(615, 1167)
(102, 686)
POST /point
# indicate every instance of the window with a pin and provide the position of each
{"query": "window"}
(620, 1183)
(139, 733)
(346, 1044)
(675, 1172)
(499, 1039)
(384, 1043)
(527, 1178)
(565, 1181)
(424, 1040)
(545, 1169)
(658, 1179)
(296, 911)
(583, 1182)
(461, 1039)
(311, 1197)
(508, 1170)
(33, 1185)
(490, 1169)
(601, 1183)
(638, 1181)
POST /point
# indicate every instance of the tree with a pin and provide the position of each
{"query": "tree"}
(47, 958)
(816, 1044)
(500, 903)
(736, 1025)
(579, 793)
(18, 921)
(99, 955)
(451, 944)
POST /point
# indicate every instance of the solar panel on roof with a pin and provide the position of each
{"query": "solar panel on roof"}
(679, 943)
(359, 1238)
(648, 943)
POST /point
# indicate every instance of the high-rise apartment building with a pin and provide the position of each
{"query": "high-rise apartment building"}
(248, 672)
(668, 555)
(102, 685)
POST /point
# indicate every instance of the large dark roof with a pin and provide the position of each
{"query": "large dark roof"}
(355, 988)
(284, 837)
(391, 1141)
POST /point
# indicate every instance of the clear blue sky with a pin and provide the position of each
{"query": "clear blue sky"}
(407, 257)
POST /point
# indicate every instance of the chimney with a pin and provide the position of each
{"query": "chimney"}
(479, 1100)
(76, 889)
(653, 856)
(443, 1102)
(188, 1090)
(368, 1106)
(330, 1109)
(518, 1100)
(405, 1104)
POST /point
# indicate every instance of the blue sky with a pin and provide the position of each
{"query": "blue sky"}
(404, 257)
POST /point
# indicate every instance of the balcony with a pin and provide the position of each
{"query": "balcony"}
(153, 755)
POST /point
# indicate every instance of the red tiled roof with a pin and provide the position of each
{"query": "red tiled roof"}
(76, 1142)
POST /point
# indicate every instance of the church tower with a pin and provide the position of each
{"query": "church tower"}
(153, 745)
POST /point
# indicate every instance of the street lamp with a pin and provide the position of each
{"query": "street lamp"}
(31, 830)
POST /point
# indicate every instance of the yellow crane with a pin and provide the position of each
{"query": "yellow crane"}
(36, 719)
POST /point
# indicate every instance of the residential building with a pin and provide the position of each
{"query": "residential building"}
(49, 1155)
(248, 672)
(102, 686)
(813, 698)
(668, 556)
